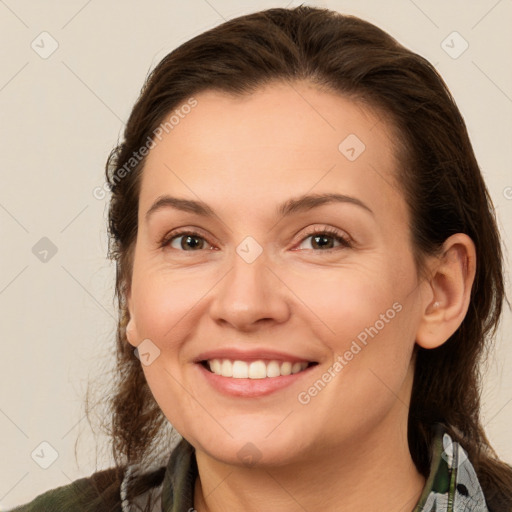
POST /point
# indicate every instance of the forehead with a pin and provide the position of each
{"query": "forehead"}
(283, 138)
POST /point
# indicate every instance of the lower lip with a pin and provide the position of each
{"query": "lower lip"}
(249, 388)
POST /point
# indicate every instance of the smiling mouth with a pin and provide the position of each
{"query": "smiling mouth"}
(258, 369)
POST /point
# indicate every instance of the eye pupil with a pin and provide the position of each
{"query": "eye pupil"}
(193, 240)
(324, 238)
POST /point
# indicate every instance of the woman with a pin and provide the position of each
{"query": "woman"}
(299, 225)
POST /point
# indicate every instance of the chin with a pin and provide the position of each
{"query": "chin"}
(254, 448)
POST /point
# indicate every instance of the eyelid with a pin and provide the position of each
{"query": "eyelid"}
(166, 239)
(343, 238)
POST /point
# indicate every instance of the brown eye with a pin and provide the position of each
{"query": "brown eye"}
(185, 241)
(325, 239)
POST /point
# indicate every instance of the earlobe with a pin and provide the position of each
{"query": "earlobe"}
(131, 332)
(131, 328)
(453, 273)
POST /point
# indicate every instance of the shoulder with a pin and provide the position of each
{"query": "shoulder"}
(98, 492)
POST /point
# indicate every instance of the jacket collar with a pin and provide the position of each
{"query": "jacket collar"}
(452, 484)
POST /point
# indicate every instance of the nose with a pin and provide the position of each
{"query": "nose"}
(250, 295)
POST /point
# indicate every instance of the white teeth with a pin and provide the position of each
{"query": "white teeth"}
(296, 368)
(273, 369)
(240, 370)
(216, 366)
(286, 368)
(254, 370)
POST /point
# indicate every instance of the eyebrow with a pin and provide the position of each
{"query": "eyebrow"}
(289, 207)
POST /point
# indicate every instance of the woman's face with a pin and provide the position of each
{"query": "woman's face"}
(261, 280)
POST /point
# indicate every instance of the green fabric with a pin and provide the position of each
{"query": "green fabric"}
(97, 493)
(452, 486)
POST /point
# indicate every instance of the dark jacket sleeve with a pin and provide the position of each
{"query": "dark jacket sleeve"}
(99, 492)
(499, 502)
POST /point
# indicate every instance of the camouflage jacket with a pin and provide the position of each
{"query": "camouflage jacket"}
(452, 486)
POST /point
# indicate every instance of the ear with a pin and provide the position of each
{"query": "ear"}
(131, 328)
(452, 276)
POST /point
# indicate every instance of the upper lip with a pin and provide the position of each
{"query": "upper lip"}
(249, 355)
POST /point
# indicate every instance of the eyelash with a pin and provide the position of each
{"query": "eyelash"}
(345, 242)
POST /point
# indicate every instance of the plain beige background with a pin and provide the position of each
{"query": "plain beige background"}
(60, 116)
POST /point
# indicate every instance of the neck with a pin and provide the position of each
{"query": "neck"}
(374, 472)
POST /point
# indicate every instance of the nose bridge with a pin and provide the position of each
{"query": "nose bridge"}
(250, 292)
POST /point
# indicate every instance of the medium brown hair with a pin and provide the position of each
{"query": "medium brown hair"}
(439, 177)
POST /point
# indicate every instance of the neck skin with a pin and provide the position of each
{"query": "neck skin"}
(374, 472)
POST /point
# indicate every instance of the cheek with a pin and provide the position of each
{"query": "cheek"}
(344, 302)
(365, 317)
(163, 303)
